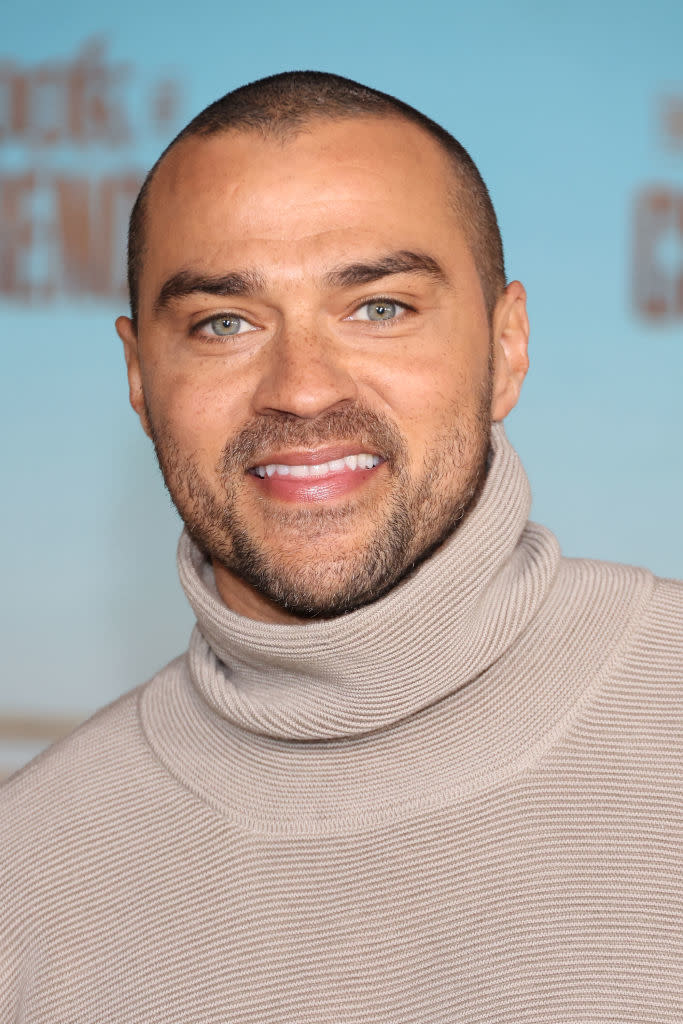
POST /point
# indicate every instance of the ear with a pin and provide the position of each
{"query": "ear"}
(511, 343)
(128, 335)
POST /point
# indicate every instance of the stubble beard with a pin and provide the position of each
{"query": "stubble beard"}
(306, 578)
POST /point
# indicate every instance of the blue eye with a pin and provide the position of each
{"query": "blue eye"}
(222, 326)
(379, 311)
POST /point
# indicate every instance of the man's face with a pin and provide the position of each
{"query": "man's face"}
(314, 359)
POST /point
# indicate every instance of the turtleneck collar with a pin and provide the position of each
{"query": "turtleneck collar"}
(464, 675)
(447, 622)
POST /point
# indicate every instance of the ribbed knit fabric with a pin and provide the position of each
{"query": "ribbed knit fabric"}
(461, 803)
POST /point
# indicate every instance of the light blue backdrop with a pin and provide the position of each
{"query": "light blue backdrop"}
(561, 106)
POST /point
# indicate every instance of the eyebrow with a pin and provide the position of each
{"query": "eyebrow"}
(187, 282)
(247, 283)
(402, 262)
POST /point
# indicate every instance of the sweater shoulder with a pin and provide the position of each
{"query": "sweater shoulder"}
(657, 639)
(665, 592)
(71, 819)
(667, 604)
(632, 619)
(92, 767)
(642, 613)
(655, 602)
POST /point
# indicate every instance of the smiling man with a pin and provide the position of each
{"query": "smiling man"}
(414, 766)
(318, 373)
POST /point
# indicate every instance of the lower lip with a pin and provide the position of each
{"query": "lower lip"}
(314, 489)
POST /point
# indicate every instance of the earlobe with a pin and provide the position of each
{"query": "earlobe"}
(128, 335)
(511, 343)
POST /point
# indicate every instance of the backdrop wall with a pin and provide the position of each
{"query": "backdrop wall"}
(575, 117)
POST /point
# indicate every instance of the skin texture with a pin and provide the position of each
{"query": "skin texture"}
(310, 377)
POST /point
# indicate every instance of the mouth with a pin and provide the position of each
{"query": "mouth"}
(314, 475)
(303, 470)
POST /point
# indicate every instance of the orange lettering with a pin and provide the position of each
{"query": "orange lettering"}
(657, 284)
(91, 224)
(16, 236)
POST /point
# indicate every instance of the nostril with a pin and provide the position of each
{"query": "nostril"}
(304, 385)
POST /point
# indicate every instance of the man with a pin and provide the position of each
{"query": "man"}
(414, 766)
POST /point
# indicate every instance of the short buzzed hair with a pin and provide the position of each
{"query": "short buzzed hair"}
(285, 104)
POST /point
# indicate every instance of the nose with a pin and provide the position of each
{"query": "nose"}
(304, 374)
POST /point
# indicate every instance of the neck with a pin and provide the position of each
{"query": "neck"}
(243, 599)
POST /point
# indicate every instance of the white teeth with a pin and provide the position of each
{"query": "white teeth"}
(361, 461)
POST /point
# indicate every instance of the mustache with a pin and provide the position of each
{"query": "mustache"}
(277, 431)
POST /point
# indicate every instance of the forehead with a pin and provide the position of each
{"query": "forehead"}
(370, 182)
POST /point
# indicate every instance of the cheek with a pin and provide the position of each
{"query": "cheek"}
(432, 390)
(199, 411)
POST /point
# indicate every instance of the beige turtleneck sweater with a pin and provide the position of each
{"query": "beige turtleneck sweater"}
(460, 803)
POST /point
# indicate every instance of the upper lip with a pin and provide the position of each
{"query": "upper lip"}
(313, 457)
